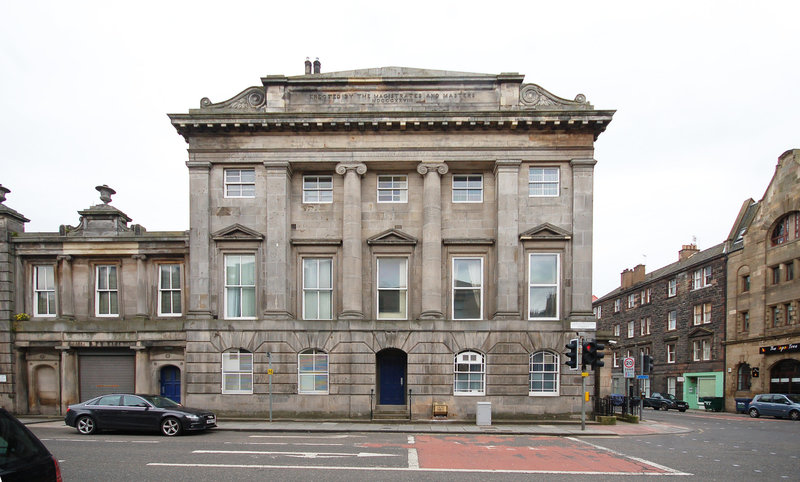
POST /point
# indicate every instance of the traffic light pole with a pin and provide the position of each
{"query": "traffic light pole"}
(639, 386)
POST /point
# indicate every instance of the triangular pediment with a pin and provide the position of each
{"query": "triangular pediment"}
(700, 331)
(546, 231)
(237, 232)
(392, 236)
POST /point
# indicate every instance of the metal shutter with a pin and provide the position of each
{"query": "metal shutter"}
(706, 387)
(102, 373)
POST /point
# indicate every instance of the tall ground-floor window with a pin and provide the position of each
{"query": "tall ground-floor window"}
(470, 374)
(743, 377)
(312, 372)
(467, 288)
(240, 286)
(317, 289)
(543, 373)
(543, 286)
(392, 288)
(237, 371)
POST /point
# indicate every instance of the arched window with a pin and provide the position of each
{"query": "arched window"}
(312, 372)
(544, 372)
(785, 377)
(743, 377)
(237, 371)
(787, 229)
(470, 374)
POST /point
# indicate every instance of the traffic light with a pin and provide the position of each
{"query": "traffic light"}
(647, 364)
(572, 354)
(593, 354)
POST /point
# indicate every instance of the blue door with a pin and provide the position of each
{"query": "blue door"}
(171, 383)
(391, 377)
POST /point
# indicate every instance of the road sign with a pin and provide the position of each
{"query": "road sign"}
(642, 377)
(628, 365)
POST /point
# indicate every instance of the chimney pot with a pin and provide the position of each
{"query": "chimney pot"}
(308, 66)
(317, 66)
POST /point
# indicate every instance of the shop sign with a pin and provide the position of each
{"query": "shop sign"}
(775, 349)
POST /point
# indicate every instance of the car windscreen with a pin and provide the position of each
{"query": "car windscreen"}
(161, 402)
(794, 398)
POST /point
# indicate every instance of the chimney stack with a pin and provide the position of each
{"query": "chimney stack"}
(317, 65)
(626, 279)
(638, 274)
(308, 66)
(687, 251)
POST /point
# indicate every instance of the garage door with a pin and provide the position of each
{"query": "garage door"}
(105, 372)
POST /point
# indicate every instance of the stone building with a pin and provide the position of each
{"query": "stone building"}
(370, 240)
(675, 314)
(763, 329)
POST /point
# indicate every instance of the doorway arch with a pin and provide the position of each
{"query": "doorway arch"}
(391, 376)
(784, 377)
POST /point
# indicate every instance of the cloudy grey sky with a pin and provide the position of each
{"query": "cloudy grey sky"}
(706, 95)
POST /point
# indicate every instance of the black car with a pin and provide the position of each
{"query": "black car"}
(22, 456)
(665, 401)
(121, 411)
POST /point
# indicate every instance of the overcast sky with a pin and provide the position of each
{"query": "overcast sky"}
(706, 93)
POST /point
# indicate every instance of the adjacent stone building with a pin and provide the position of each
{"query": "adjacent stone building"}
(361, 241)
(676, 314)
(763, 327)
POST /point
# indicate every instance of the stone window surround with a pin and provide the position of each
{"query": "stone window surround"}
(240, 372)
(400, 254)
(461, 249)
(34, 302)
(481, 288)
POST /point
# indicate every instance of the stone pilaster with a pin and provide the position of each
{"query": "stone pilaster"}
(69, 377)
(143, 381)
(582, 219)
(279, 176)
(141, 285)
(67, 296)
(432, 240)
(352, 303)
(507, 179)
(198, 275)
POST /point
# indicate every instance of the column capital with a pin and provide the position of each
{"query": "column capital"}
(426, 167)
(359, 167)
(279, 166)
(198, 165)
(64, 257)
(139, 257)
(582, 163)
(507, 165)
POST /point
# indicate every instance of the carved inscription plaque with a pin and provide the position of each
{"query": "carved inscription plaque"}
(394, 97)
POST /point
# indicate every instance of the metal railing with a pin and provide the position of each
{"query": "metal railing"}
(610, 406)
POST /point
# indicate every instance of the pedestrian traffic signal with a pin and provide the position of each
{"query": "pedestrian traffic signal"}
(572, 354)
(593, 354)
(647, 364)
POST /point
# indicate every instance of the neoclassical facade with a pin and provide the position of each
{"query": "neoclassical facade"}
(763, 327)
(360, 242)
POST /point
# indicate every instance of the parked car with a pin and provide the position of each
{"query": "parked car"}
(23, 457)
(777, 405)
(665, 401)
(123, 411)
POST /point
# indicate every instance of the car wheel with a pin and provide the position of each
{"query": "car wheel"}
(664, 407)
(681, 410)
(170, 426)
(794, 415)
(85, 425)
(753, 413)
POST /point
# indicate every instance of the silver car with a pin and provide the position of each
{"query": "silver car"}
(777, 405)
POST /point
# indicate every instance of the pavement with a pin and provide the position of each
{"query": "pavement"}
(550, 428)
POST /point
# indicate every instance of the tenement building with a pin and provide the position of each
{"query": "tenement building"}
(676, 315)
(763, 329)
(361, 241)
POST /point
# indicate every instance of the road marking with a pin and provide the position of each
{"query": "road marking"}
(101, 440)
(670, 471)
(306, 436)
(404, 469)
(307, 455)
(285, 443)
(413, 457)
